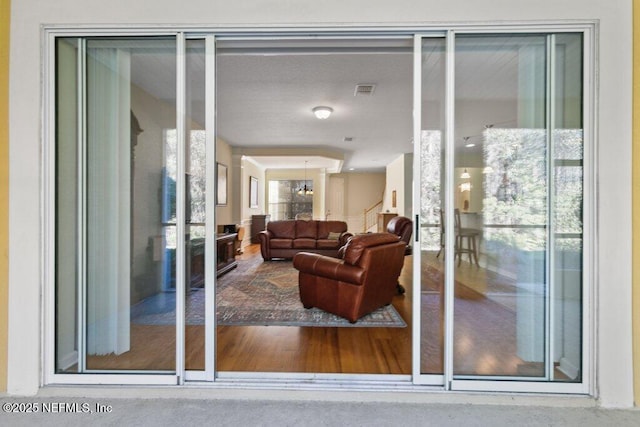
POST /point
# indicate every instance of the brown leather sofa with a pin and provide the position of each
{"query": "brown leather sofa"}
(284, 239)
(362, 281)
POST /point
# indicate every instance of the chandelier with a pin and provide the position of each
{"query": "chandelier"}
(307, 191)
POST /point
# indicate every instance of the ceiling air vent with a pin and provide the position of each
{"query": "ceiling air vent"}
(348, 139)
(364, 89)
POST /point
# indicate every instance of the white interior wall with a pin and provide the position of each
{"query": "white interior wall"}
(251, 169)
(394, 182)
(612, 273)
(224, 213)
(399, 177)
(362, 190)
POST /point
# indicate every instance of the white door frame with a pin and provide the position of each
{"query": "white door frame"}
(446, 380)
(509, 384)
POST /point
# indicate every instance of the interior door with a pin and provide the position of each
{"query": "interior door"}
(335, 202)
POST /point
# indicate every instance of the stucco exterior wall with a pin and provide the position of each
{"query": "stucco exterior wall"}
(612, 274)
(4, 186)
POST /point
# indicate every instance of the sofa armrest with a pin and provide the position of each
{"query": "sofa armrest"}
(265, 248)
(265, 234)
(327, 267)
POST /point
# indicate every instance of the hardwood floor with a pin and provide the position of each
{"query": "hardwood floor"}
(316, 349)
(484, 337)
(276, 348)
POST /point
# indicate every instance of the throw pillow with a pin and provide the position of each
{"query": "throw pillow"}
(334, 236)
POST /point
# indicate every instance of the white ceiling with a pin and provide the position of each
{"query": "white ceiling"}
(267, 100)
(265, 93)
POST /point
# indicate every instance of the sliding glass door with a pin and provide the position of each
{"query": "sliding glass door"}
(145, 182)
(195, 137)
(116, 186)
(429, 177)
(502, 211)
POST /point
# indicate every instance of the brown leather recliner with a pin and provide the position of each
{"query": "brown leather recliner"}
(362, 281)
(403, 227)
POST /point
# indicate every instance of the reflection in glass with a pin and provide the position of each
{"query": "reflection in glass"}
(66, 206)
(196, 164)
(130, 288)
(528, 177)
(432, 185)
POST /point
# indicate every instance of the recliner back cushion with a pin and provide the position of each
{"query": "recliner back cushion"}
(282, 229)
(401, 226)
(306, 229)
(326, 227)
(357, 244)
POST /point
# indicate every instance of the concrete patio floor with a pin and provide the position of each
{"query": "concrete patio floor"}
(161, 410)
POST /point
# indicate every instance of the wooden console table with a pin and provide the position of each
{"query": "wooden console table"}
(225, 253)
(383, 220)
(258, 224)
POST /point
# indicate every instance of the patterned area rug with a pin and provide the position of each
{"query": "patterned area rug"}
(256, 293)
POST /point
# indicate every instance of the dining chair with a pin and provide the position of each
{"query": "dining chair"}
(465, 240)
(468, 236)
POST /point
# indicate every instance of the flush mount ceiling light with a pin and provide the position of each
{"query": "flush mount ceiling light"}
(487, 169)
(322, 112)
(467, 143)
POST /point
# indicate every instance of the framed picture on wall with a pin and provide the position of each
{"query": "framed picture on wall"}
(221, 184)
(253, 192)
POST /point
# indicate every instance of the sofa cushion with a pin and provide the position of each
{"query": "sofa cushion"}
(281, 243)
(327, 244)
(306, 229)
(326, 227)
(357, 244)
(304, 243)
(282, 229)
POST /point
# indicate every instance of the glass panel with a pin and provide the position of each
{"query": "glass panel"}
(66, 205)
(131, 164)
(432, 185)
(500, 206)
(513, 278)
(567, 207)
(195, 212)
